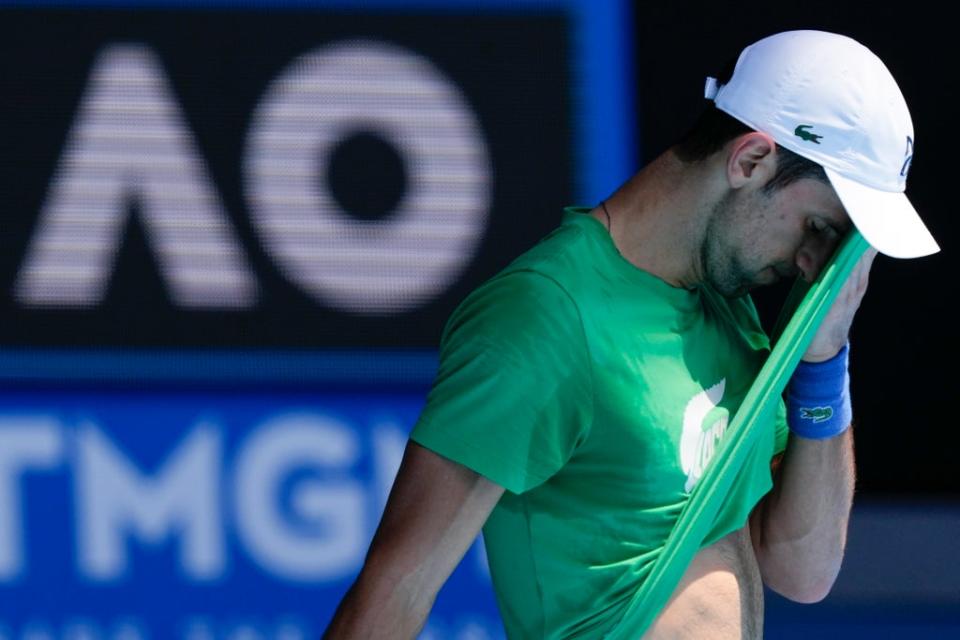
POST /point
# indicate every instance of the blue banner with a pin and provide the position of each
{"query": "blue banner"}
(234, 232)
(201, 515)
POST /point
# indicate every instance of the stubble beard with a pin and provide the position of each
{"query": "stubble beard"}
(723, 267)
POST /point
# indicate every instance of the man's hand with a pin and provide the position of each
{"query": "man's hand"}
(799, 530)
(835, 329)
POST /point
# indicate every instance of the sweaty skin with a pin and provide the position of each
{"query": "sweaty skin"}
(719, 597)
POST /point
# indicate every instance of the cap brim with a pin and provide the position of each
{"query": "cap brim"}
(886, 219)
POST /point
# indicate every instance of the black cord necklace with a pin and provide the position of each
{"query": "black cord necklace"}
(603, 205)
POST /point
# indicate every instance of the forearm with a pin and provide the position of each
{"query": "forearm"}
(802, 524)
(380, 608)
(435, 511)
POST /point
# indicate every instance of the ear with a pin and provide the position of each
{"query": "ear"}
(751, 160)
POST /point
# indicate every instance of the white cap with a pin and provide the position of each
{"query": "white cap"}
(828, 98)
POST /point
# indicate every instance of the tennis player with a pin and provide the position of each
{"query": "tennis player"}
(583, 390)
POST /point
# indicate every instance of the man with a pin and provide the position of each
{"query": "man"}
(582, 391)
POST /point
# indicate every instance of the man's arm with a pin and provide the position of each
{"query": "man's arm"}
(799, 529)
(435, 511)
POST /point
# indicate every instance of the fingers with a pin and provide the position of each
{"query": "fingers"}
(856, 285)
(863, 269)
(833, 331)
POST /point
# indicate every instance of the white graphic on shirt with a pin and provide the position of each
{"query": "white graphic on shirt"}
(698, 442)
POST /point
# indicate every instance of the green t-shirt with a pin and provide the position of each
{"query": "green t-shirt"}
(595, 393)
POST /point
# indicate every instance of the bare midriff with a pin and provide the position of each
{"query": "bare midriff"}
(719, 597)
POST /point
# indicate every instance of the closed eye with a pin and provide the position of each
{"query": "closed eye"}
(819, 227)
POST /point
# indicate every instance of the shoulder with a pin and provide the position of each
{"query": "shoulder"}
(559, 255)
(517, 302)
(537, 294)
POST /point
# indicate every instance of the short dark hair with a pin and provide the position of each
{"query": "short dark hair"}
(715, 128)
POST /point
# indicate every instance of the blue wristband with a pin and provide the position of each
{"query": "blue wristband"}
(818, 398)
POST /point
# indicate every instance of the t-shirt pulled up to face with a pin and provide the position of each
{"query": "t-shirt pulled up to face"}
(595, 393)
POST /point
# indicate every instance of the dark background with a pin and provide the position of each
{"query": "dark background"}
(219, 64)
(903, 344)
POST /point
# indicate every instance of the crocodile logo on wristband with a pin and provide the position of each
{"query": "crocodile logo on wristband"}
(817, 414)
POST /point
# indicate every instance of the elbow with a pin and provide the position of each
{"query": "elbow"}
(802, 589)
(807, 581)
(805, 595)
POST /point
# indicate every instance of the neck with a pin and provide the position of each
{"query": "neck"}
(658, 218)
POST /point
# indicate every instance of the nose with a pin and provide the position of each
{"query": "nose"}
(814, 254)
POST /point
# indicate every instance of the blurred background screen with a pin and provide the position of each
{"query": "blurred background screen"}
(233, 231)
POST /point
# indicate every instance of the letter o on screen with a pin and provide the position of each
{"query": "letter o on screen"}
(362, 266)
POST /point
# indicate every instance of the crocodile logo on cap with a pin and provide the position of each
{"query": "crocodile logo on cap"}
(808, 136)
